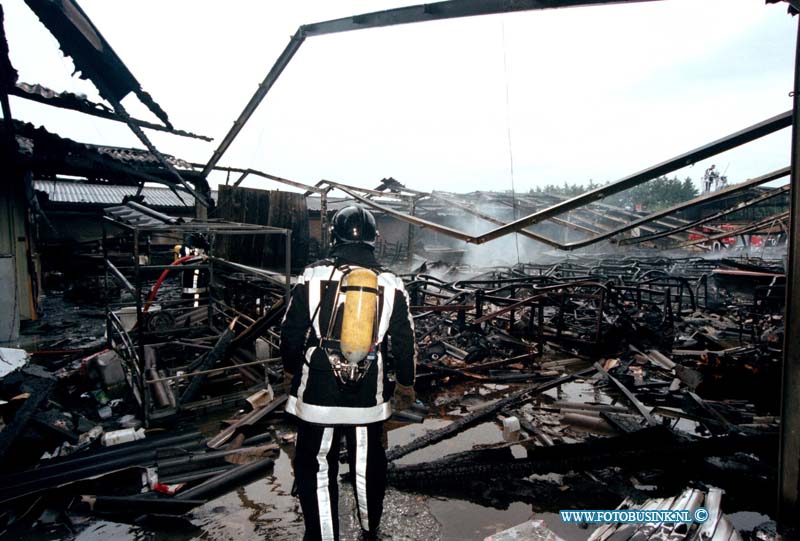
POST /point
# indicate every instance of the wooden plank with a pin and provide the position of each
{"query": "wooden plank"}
(629, 395)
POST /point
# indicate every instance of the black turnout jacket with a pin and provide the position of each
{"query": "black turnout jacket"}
(316, 395)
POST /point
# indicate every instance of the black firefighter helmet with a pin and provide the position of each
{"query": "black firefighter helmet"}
(354, 224)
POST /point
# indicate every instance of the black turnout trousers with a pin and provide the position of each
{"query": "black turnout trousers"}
(316, 467)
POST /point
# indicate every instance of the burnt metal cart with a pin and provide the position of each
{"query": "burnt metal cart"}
(165, 341)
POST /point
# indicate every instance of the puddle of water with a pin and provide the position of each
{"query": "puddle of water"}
(109, 530)
(464, 520)
(568, 532)
(260, 508)
(579, 391)
(746, 521)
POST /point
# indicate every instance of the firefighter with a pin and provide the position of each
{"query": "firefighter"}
(710, 178)
(195, 282)
(346, 317)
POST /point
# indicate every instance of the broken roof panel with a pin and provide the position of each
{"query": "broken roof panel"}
(92, 55)
(79, 103)
(138, 156)
(104, 194)
(12, 359)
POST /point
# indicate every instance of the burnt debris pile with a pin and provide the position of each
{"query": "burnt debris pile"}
(139, 416)
(609, 377)
(598, 379)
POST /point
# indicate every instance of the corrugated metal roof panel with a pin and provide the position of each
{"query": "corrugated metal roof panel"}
(313, 202)
(126, 215)
(105, 194)
(142, 157)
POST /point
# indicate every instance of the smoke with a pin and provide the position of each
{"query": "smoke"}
(515, 248)
(504, 251)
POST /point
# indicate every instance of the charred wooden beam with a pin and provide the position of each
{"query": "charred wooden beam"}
(39, 389)
(649, 447)
(211, 358)
(479, 415)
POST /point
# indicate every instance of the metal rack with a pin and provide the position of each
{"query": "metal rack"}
(139, 226)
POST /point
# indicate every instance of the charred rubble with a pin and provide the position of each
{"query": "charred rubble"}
(674, 362)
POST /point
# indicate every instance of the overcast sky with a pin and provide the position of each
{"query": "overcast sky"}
(593, 93)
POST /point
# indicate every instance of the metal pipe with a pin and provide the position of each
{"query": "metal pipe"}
(212, 371)
(167, 389)
(159, 393)
(120, 277)
(225, 479)
(152, 212)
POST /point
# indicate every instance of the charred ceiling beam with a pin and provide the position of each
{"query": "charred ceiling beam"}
(283, 60)
(654, 217)
(50, 155)
(92, 55)
(256, 172)
(602, 211)
(73, 102)
(733, 140)
(438, 11)
(95, 59)
(413, 220)
(461, 235)
(522, 201)
(469, 209)
(375, 193)
(726, 143)
(450, 9)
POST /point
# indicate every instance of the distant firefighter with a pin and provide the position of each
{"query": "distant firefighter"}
(711, 178)
(195, 281)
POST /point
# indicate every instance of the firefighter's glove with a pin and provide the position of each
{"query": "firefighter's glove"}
(287, 377)
(404, 397)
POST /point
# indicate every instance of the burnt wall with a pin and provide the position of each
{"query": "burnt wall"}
(273, 208)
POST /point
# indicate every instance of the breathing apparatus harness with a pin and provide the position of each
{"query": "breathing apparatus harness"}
(355, 350)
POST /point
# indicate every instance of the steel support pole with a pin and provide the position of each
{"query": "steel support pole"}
(324, 241)
(288, 266)
(789, 457)
(412, 210)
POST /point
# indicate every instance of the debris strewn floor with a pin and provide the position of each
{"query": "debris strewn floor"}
(572, 385)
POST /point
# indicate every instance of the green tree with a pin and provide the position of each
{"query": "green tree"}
(656, 194)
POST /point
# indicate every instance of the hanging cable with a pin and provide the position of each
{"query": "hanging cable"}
(508, 133)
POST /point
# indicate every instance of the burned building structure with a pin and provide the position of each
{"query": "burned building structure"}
(684, 342)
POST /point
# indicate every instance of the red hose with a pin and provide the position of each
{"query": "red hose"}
(154, 291)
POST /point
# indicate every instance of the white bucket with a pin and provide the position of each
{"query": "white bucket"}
(127, 315)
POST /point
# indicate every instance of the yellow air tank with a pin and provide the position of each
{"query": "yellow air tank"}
(360, 304)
